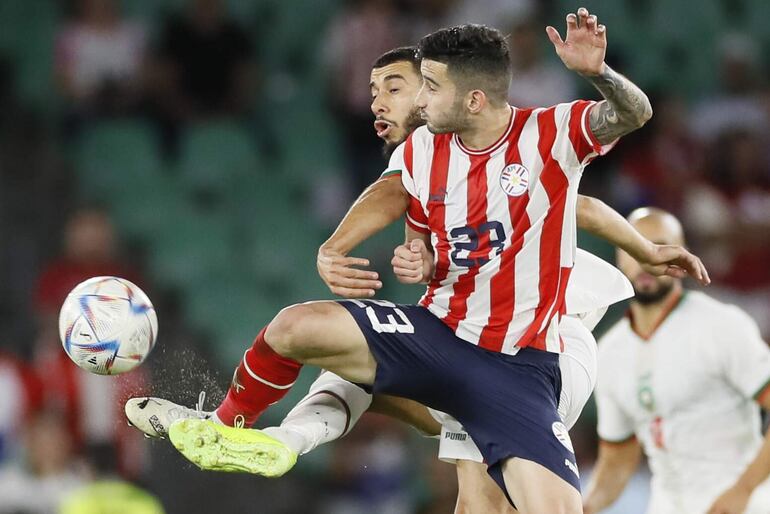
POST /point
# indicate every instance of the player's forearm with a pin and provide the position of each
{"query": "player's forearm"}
(379, 205)
(614, 468)
(625, 107)
(759, 469)
(599, 219)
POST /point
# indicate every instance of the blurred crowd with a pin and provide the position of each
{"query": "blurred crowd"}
(293, 78)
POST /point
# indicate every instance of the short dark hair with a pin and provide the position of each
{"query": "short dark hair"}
(476, 56)
(403, 53)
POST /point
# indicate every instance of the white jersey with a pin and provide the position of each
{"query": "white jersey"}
(687, 393)
(502, 223)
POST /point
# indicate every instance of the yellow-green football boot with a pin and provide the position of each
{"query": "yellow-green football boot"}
(215, 447)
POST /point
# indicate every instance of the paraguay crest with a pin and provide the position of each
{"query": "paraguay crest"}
(514, 180)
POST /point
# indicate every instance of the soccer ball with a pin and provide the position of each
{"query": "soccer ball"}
(107, 325)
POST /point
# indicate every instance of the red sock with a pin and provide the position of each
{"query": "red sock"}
(262, 378)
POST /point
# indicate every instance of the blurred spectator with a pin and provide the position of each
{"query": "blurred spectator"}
(729, 217)
(99, 59)
(370, 470)
(500, 14)
(358, 35)
(92, 404)
(441, 478)
(425, 16)
(49, 472)
(203, 65)
(537, 81)
(732, 212)
(20, 399)
(737, 105)
(660, 163)
(90, 249)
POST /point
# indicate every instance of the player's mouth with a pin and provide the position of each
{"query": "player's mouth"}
(383, 128)
(645, 281)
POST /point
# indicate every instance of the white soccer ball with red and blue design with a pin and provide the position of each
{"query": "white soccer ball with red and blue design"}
(107, 325)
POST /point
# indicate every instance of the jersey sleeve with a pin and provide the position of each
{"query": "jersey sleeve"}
(613, 424)
(745, 355)
(398, 166)
(573, 118)
(401, 164)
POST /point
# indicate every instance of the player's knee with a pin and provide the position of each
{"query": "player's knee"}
(287, 330)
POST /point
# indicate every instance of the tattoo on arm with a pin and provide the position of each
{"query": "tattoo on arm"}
(625, 107)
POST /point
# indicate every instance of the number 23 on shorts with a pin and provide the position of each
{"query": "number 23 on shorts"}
(396, 322)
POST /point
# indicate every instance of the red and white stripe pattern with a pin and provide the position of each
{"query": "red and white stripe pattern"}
(512, 298)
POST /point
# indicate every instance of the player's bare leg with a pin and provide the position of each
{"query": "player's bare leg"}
(319, 333)
(408, 411)
(323, 334)
(333, 406)
(477, 493)
(535, 489)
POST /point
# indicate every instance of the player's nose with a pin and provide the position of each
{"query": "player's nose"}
(420, 99)
(378, 107)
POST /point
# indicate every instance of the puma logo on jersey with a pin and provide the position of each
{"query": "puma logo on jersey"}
(438, 196)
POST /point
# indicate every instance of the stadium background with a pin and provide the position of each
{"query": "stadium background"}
(205, 148)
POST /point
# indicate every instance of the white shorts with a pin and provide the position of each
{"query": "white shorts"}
(578, 378)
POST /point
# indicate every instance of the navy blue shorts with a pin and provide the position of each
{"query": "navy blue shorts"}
(507, 403)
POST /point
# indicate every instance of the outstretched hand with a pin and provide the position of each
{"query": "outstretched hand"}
(585, 46)
(343, 278)
(675, 261)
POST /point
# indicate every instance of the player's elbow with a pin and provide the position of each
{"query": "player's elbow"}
(645, 112)
(588, 212)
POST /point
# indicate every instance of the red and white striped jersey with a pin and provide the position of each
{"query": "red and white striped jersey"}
(502, 223)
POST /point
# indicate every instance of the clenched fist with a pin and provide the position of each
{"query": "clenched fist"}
(413, 263)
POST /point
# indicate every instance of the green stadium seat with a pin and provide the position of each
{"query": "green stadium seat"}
(215, 156)
(190, 245)
(231, 309)
(116, 158)
(278, 235)
(27, 35)
(151, 11)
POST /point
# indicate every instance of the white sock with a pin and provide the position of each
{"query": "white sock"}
(331, 408)
(213, 417)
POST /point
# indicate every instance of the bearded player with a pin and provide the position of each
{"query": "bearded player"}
(356, 338)
(333, 405)
(682, 379)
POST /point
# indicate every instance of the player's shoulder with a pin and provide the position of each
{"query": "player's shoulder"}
(617, 337)
(713, 312)
(562, 114)
(571, 107)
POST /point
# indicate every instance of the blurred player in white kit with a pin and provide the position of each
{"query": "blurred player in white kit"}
(681, 378)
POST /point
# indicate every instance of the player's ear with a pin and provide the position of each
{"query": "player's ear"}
(476, 100)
